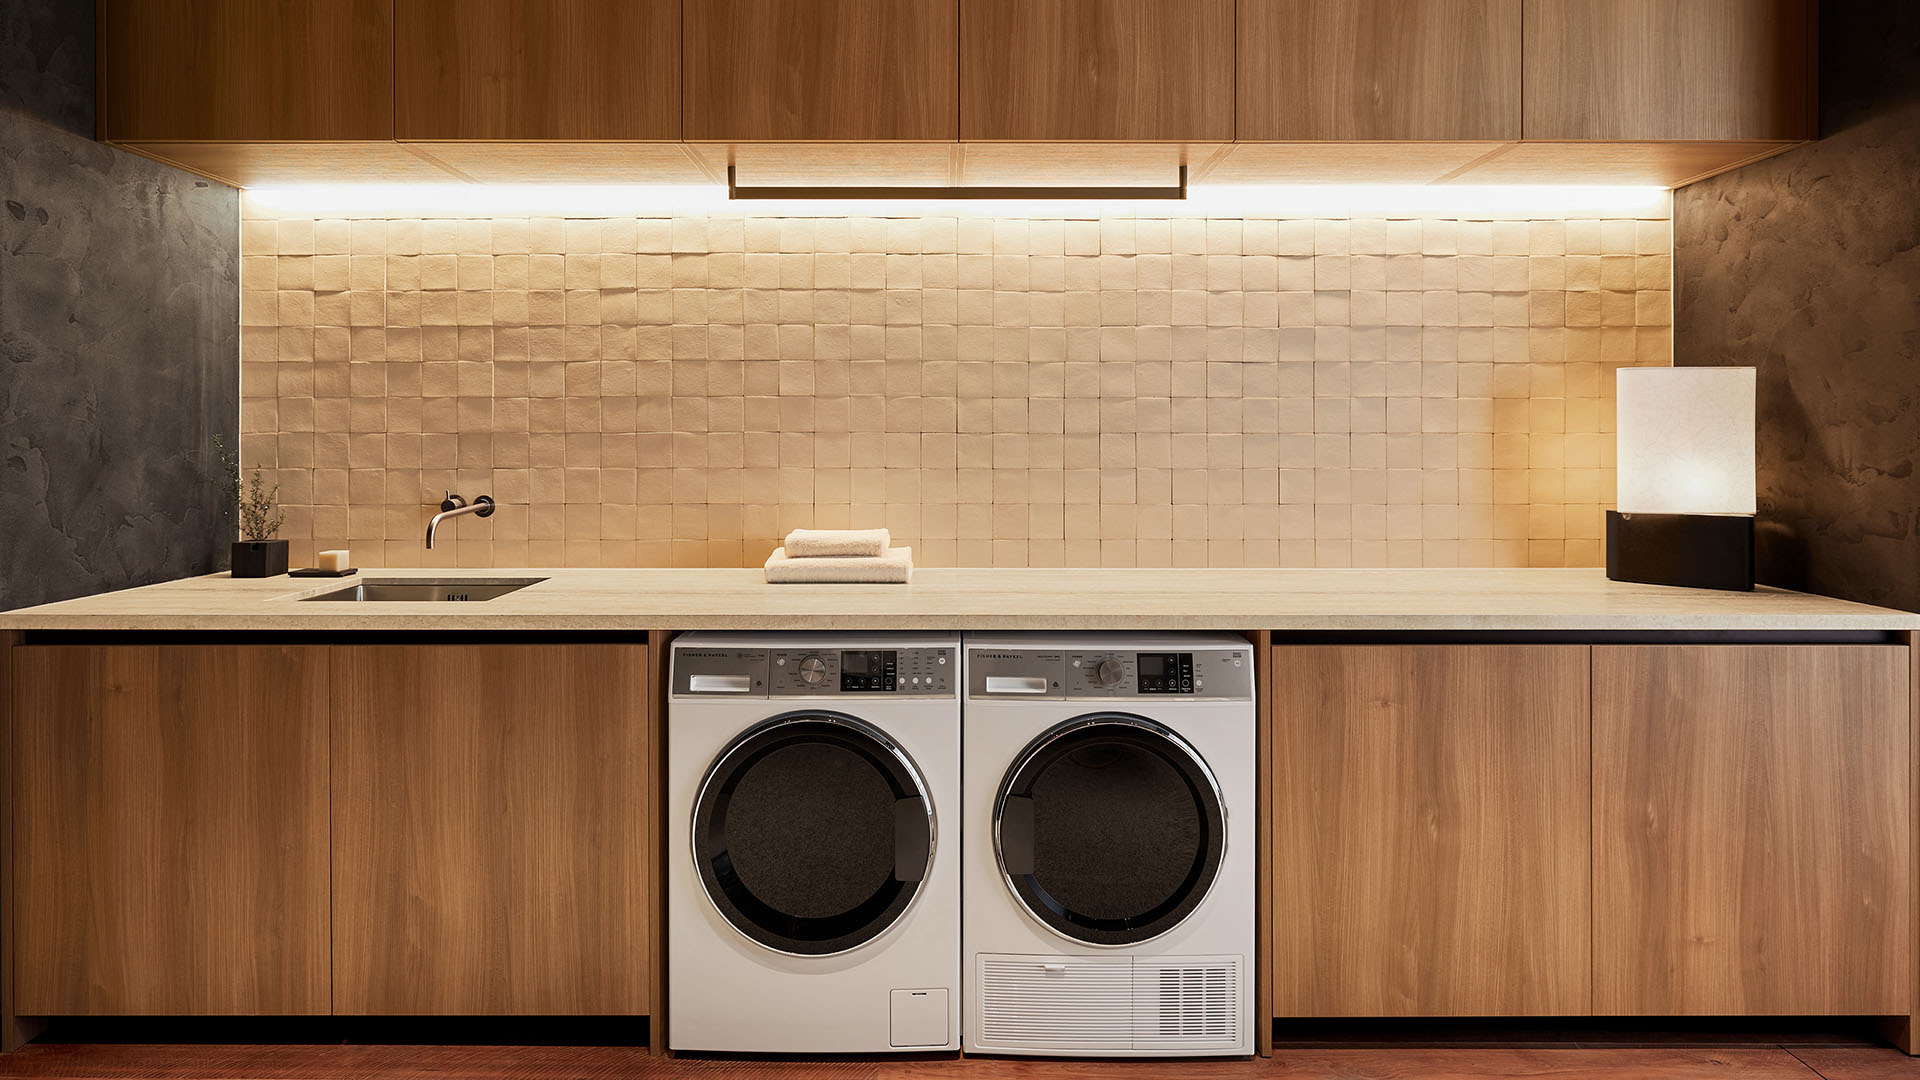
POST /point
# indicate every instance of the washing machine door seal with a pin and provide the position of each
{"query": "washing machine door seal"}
(1109, 829)
(813, 833)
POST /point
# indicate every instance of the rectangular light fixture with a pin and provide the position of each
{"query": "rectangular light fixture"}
(1686, 491)
(867, 194)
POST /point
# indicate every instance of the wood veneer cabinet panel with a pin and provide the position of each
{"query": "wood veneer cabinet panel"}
(1096, 69)
(1379, 69)
(537, 69)
(213, 70)
(170, 830)
(1751, 831)
(1430, 830)
(785, 70)
(490, 830)
(1662, 69)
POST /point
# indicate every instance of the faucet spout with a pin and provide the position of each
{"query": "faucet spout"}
(454, 506)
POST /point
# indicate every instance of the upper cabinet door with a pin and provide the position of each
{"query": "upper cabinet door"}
(794, 70)
(1379, 69)
(1661, 69)
(537, 69)
(1096, 69)
(246, 70)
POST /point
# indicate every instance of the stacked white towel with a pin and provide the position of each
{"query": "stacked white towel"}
(840, 556)
(816, 543)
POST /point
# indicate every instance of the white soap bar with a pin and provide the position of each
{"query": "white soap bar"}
(334, 560)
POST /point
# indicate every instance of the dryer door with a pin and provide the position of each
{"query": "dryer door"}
(1110, 829)
(813, 833)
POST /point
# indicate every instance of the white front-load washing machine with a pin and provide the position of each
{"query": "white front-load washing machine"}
(1109, 874)
(813, 875)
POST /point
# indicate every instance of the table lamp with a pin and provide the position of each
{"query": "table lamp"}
(1685, 504)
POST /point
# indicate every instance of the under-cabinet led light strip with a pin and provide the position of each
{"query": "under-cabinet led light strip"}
(1278, 201)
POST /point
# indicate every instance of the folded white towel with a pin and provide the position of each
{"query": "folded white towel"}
(893, 568)
(814, 543)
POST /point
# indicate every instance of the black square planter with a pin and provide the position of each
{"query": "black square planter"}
(259, 558)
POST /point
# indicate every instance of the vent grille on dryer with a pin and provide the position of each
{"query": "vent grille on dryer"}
(1178, 1003)
(1041, 1003)
(1172, 1004)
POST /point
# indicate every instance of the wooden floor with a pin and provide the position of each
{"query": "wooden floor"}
(1792, 1061)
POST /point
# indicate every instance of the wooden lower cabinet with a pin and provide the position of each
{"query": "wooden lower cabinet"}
(490, 830)
(1751, 830)
(1430, 830)
(169, 830)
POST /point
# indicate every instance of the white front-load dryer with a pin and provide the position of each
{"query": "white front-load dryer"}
(1109, 875)
(813, 875)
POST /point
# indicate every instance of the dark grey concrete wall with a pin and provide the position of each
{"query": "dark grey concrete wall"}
(1807, 266)
(119, 324)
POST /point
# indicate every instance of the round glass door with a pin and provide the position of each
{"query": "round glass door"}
(1109, 828)
(813, 833)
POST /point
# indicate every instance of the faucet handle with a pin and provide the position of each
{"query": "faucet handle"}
(452, 502)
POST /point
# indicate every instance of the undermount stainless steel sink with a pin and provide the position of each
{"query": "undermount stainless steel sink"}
(429, 590)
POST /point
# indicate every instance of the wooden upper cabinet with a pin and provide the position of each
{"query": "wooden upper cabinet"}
(1669, 69)
(170, 831)
(1430, 830)
(1751, 834)
(1149, 70)
(246, 70)
(1379, 69)
(491, 830)
(537, 69)
(797, 70)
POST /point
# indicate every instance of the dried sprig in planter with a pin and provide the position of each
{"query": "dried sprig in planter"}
(257, 553)
(259, 518)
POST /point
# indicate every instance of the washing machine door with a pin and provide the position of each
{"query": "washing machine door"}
(1110, 829)
(813, 832)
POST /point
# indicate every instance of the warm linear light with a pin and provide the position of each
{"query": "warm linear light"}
(656, 200)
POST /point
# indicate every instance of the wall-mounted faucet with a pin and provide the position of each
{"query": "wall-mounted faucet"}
(454, 506)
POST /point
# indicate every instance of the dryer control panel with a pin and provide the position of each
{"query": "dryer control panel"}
(1213, 674)
(816, 672)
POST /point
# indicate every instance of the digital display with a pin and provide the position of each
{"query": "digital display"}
(869, 670)
(1165, 673)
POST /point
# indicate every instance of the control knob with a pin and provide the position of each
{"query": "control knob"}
(1110, 673)
(813, 671)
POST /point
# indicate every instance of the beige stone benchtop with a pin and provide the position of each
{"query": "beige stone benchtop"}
(974, 599)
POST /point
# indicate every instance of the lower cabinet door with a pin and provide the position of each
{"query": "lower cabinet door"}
(490, 830)
(169, 830)
(1430, 830)
(1751, 830)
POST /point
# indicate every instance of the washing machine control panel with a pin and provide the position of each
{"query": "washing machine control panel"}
(1103, 673)
(894, 672)
(899, 673)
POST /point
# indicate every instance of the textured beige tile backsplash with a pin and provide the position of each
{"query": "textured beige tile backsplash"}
(997, 391)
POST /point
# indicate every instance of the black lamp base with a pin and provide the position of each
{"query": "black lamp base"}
(1699, 551)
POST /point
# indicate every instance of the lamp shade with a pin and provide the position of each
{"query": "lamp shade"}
(1685, 440)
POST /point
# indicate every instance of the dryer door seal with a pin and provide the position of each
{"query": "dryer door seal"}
(1109, 829)
(813, 833)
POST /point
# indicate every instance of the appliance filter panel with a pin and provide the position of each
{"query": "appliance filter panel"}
(1161, 1003)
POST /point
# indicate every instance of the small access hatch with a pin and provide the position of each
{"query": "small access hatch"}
(920, 1018)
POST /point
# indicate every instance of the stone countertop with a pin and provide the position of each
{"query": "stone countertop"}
(583, 600)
